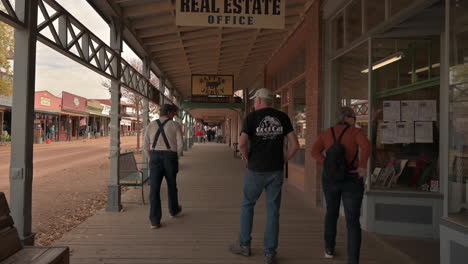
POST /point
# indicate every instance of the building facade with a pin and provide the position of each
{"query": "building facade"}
(73, 117)
(402, 66)
(47, 108)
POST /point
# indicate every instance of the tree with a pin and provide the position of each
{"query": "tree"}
(6, 54)
(136, 100)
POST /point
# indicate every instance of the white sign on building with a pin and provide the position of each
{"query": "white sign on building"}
(231, 13)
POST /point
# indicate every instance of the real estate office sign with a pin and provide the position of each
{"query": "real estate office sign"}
(231, 13)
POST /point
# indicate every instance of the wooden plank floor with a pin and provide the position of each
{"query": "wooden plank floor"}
(210, 184)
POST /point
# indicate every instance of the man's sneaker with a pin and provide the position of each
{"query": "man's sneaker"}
(239, 249)
(155, 226)
(269, 259)
(179, 212)
(329, 254)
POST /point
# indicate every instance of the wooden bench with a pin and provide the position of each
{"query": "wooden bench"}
(11, 250)
(130, 174)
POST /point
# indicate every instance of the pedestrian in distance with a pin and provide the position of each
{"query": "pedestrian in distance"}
(262, 144)
(344, 171)
(69, 129)
(52, 132)
(199, 135)
(219, 137)
(163, 144)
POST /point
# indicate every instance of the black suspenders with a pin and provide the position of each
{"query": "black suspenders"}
(161, 132)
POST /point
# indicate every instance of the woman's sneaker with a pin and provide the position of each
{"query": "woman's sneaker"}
(155, 226)
(239, 249)
(179, 212)
(329, 254)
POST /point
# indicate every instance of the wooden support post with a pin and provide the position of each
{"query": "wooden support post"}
(146, 119)
(24, 78)
(113, 199)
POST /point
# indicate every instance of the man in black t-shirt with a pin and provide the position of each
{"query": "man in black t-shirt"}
(262, 144)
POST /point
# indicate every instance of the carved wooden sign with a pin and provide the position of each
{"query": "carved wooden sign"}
(212, 85)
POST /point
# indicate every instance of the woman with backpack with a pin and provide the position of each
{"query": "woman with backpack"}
(346, 150)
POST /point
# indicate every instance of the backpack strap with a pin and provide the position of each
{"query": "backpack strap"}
(333, 134)
(161, 132)
(342, 133)
(355, 158)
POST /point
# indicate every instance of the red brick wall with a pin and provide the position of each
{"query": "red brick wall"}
(314, 94)
(308, 35)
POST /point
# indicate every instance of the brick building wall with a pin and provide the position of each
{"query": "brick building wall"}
(308, 36)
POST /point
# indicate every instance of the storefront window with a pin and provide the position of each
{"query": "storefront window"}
(458, 75)
(385, 77)
(404, 117)
(354, 21)
(351, 83)
(435, 59)
(403, 62)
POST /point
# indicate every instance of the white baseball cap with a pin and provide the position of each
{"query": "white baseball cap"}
(262, 93)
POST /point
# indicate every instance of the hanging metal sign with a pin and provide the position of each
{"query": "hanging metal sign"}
(212, 85)
(231, 13)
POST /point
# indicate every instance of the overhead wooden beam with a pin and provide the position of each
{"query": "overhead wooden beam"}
(156, 31)
(161, 39)
(275, 39)
(189, 28)
(167, 53)
(201, 48)
(147, 9)
(147, 22)
(124, 1)
(227, 37)
(197, 42)
(199, 33)
(179, 30)
(167, 46)
(196, 53)
(203, 63)
(169, 60)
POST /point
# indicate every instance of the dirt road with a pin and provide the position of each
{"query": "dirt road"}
(69, 185)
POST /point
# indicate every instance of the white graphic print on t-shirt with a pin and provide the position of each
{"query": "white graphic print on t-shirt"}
(269, 128)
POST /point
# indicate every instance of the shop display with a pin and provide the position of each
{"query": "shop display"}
(391, 110)
(405, 121)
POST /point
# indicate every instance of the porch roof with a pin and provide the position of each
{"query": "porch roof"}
(180, 51)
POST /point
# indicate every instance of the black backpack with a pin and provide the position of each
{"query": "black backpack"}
(335, 165)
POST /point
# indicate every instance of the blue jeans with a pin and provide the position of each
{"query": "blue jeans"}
(163, 164)
(351, 191)
(254, 184)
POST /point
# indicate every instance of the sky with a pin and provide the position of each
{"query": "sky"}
(56, 73)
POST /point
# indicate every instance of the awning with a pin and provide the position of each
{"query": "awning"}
(63, 112)
(43, 111)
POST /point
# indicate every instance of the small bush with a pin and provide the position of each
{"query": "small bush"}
(5, 137)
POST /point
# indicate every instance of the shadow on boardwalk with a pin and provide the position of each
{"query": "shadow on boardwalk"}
(210, 184)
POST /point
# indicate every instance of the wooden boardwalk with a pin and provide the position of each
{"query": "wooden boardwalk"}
(210, 184)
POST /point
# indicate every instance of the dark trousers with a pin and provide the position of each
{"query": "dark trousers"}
(163, 164)
(351, 191)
